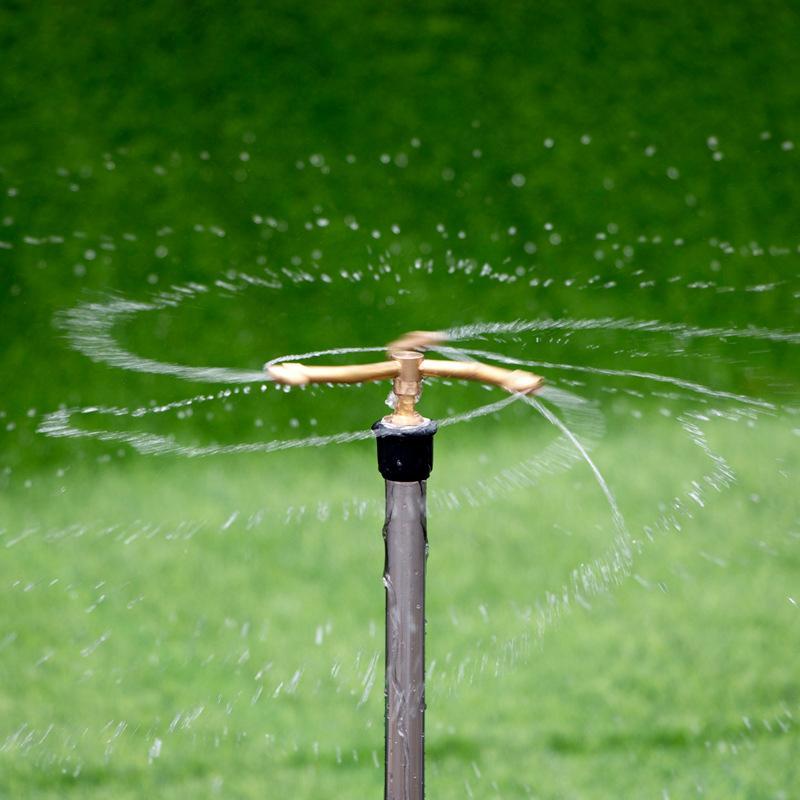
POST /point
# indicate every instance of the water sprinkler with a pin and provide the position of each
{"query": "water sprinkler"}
(405, 460)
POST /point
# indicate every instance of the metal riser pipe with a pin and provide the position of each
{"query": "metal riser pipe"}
(405, 460)
(406, 542)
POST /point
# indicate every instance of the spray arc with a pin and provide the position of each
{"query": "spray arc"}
(405, 460)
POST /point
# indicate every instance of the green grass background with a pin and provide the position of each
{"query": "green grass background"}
(135, 591)
(679, 682)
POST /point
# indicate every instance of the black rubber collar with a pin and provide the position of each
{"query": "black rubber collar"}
(405, 454)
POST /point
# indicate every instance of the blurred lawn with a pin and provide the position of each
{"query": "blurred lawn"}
(643, 695)
(125, 128)
(156, 599)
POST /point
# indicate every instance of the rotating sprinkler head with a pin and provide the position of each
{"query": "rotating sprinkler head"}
(407, 366)
(405, 460)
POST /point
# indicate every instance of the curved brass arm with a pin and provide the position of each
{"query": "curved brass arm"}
(416, 340)
(294, 374)
(516, 380)
(408, 368)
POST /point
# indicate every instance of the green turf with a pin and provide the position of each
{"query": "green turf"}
(154, 598)
(124, 130)
(680, 681)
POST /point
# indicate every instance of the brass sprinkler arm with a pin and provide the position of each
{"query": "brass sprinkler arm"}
(416, 340)
(408, 368)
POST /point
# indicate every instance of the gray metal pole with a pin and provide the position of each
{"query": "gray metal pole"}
(405, 459)
(404, 578)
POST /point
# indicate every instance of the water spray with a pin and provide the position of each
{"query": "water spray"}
(405, 461)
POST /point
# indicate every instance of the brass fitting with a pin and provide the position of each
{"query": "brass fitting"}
(407, 389)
